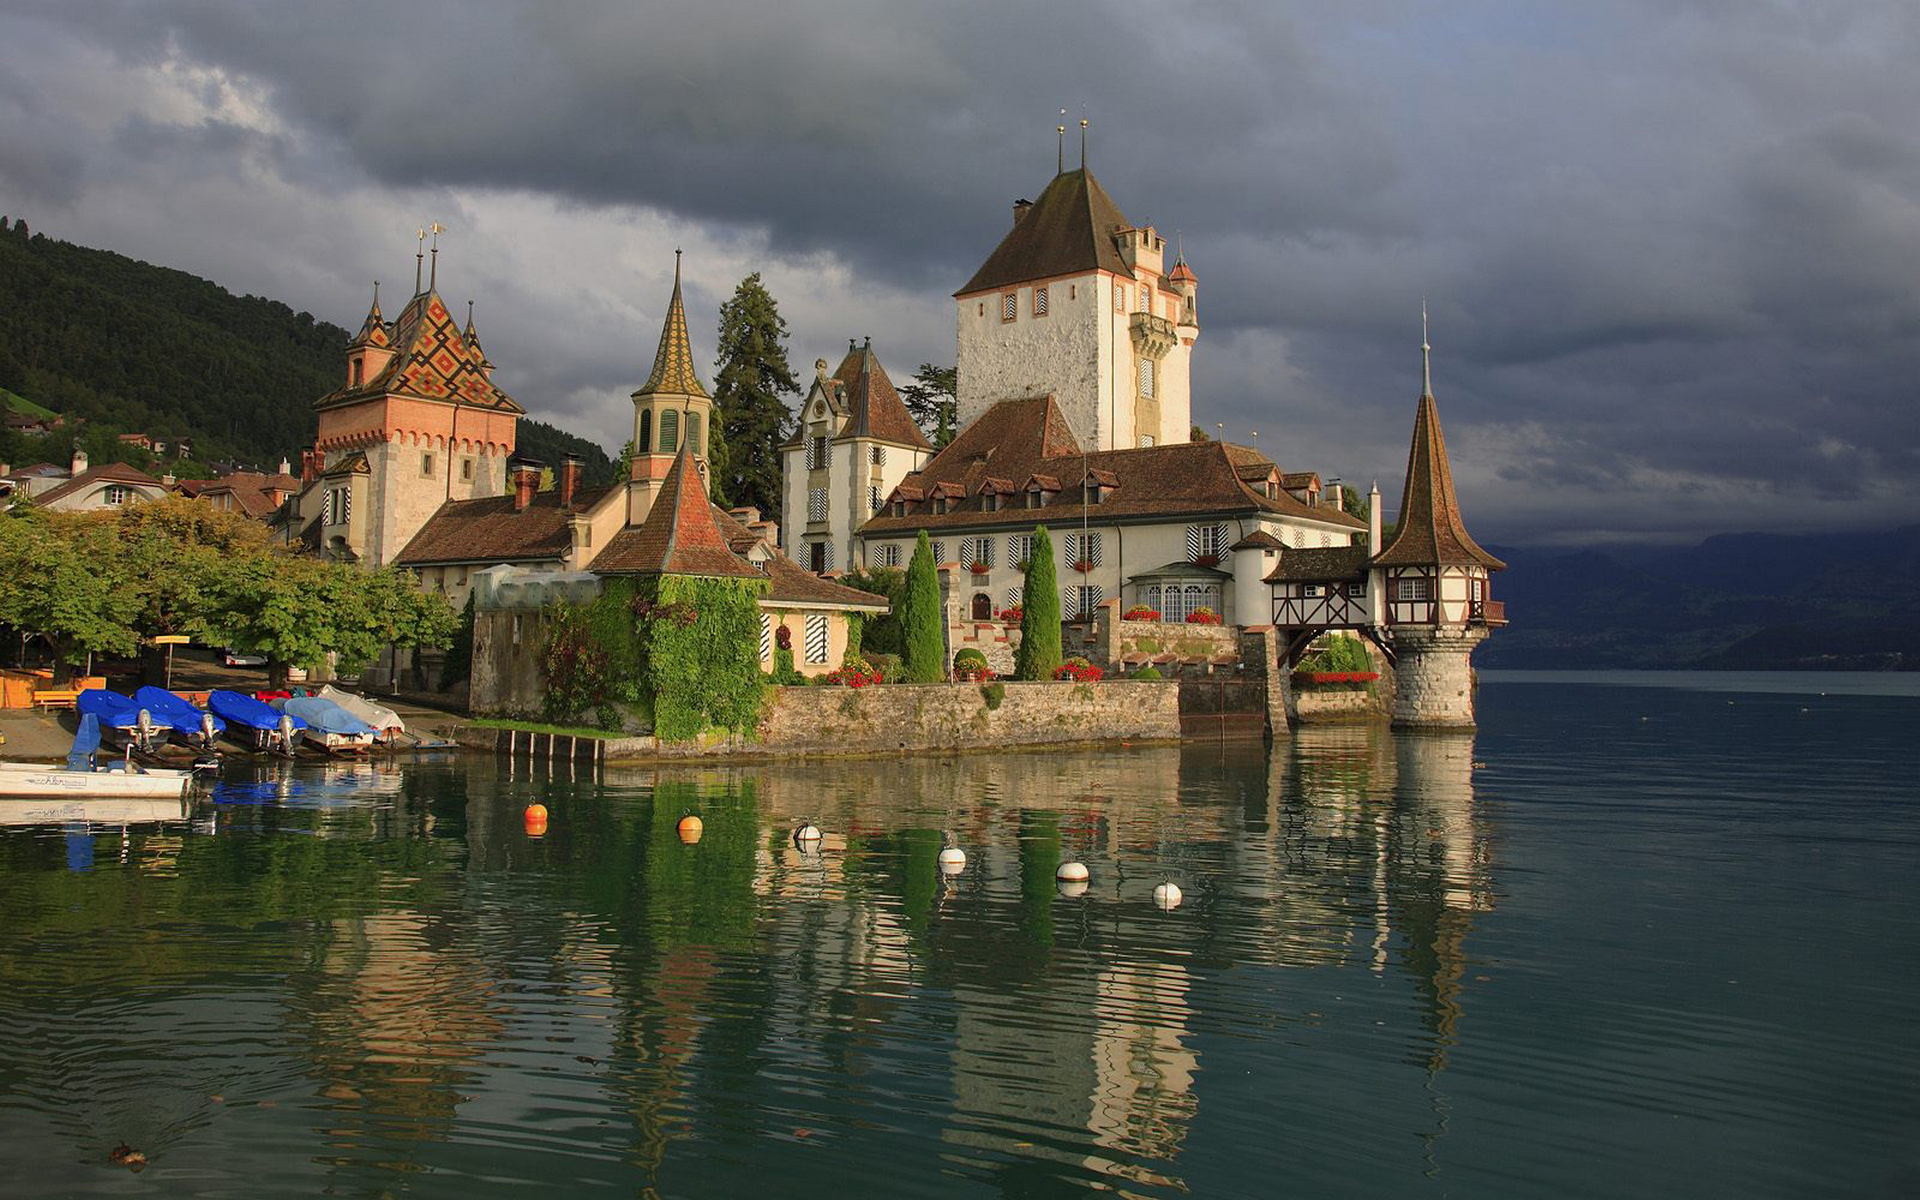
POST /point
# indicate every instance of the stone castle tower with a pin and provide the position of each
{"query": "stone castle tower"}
(670, 410)
(1079, 302)
(1434, 581)
(418, 423)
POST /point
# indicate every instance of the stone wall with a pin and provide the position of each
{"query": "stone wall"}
(941, 716)
(1433, 684)
(508, 677)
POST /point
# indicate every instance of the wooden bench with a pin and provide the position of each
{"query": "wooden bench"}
(55, 697)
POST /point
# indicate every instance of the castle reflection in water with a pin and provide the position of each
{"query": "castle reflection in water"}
(466, 971)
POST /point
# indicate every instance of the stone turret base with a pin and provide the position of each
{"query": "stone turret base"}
(1433, 676)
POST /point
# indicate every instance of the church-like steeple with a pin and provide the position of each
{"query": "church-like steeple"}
(673, 373)
(1431, 532)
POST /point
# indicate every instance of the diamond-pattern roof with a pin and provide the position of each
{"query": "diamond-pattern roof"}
(673, 373)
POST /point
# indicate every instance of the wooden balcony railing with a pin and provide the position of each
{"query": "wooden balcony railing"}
(1487, 612)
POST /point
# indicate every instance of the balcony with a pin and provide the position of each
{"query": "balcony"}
(1491, 613)
(1152, 336)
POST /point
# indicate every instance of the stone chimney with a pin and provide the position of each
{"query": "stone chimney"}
(79, 461)
(1331, 496)
(286, 468)
(569, 481)
(1020, 209)
(167, 481)
(525, 474)
(309, 466)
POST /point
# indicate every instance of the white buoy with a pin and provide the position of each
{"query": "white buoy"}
(807, 835)
(953, 860)
(1071, 888)
(1071, 872)
(1167, 896)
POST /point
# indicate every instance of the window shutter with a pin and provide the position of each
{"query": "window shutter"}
(1093, 549)
(1070, 602)
(1193, 542)
(1013, 598)
(939, 553)
(766, 636)
(816, 638)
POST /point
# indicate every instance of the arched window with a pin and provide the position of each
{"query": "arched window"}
(669, 431)
(646, 431)
(693, 431)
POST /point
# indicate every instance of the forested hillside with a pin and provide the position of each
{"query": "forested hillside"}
(126, 346)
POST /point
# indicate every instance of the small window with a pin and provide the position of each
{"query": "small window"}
(646, 432)
(1010, 306)
(1309, 589)
(939, 552)
(1040, 302)
(356, 372)
(693, 432)
(1019, 549)
(1146, 299)
(816, 504)
(1146, 439)
(879, 456)
(1119, 298)
(466, 469)
(983, 309)
(426, 464)
(817, 452)
(1072, 291)
(669, 431)
(873, 499)
(890, 554)
(1357, 591)
(1413, 589)
(119, 495)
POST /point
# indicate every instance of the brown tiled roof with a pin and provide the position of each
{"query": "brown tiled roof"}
(251, 490)
(192, 487)
(104, 473)
(999, 487)
(681, 535)
(1321, 564)
(1029, 440)
(1070, 229)
(788, 580)
(673, 373)
(1300, 479)
(876, 407)
(1430, 531)
(488, 530)
(431, 361)
(353, 464)
(1259, 539)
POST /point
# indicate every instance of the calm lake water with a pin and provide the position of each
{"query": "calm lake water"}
(1632, 939)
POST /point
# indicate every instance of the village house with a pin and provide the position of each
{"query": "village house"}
(87, 488)
(256, 495)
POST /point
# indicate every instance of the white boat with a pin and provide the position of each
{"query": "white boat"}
(55, 811)
(37, 781)
(384, 720)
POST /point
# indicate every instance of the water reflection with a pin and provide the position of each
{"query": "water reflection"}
(431, 989)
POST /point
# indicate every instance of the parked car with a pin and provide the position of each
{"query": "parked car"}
(237, 658)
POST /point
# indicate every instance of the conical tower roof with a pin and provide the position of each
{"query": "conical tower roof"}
(679, 536)
(373, 331)
(673, 373)
(1431, 532)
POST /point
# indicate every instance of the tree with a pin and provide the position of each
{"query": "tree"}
(459, 663)
(922, 615)
(884, 634)
(1039, 655)
(751, 381)
(1197, 434)
(929, 401)
(65, 580)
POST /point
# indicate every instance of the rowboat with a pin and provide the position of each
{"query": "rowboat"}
(62, 785)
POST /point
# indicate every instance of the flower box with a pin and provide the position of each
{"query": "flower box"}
(1206, 560)
(979, 568)
(1140, 612)
(1083, 566)
(1012, 615)
(1203, 616)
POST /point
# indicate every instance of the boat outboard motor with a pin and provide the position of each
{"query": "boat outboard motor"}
(143, 729)
(206, 730)
(286, 733)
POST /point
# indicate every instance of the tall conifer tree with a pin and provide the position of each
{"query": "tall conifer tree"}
(751, 381)
(921, 614)
(1039, 655)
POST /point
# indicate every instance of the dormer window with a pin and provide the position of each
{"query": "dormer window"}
(899, 508)
(989, 502)
(1033, 497)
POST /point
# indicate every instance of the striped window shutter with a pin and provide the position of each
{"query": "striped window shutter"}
(1013, 598)
(816, 638)
(1073, 548)
(1093, 549)
(766, 636)
(1193, 542)
(1070, 602)
(827, 550)
(939, 554)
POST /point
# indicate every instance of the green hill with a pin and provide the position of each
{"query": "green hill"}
(126, 346)
(16, 403)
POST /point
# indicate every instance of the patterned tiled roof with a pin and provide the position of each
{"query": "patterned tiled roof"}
(680, 536)
(432, 362)
(373, 331)
(673, 373)
(1430, 531)
(1070, 229)
(1029, 440)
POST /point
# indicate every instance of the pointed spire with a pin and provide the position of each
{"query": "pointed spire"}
(1083, 143)
(373, 330)
(1060, 163)
(419, 257)
(1426, 353)
(673, 372)
(433, 272)
(1430, 531)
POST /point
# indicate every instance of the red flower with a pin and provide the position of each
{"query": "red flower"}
(1141, 612)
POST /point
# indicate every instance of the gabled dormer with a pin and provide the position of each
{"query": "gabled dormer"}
(1039, 490)
(995, 494)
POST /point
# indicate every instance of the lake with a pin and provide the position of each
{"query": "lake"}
(1637, 937)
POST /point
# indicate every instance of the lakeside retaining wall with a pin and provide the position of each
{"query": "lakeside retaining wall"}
(957, 716)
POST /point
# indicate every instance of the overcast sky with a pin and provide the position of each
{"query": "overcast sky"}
(1672, 250)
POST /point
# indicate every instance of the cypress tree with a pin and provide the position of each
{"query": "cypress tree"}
(750, 383)
(920, 613)
(1039, 655)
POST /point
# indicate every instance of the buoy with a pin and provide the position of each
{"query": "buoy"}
(691, 827)
(953, 860)
(1167, 896)
(1073, 887)
(1071, 872)
(536, 820)
(807, 835)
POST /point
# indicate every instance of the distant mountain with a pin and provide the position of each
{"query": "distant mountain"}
(126, 346)
(1749, 601)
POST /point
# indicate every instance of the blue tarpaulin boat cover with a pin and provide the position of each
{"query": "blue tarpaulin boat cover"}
(244, 710)
(119, 712)
(160, 701)
(325, 715)
(86, 741)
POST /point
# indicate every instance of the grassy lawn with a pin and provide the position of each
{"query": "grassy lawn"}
(537, 727)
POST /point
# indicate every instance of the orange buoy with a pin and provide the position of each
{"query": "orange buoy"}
(536, 820)
(691, 827)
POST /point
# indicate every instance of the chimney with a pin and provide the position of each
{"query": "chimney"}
(1020, 209)
(1332, 495)
(526, 481)
(1373, 520)
(167, 481)
(286, 468)
(570, 468)
(309, 466)
(79, 461)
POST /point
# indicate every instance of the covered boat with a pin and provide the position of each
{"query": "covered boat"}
(121, 713)
(384, 721)
(181, 714)
(251, 722)
(329, 725)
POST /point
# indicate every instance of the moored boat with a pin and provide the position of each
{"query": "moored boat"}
(81, 779)
(138, 725)
(385, 722)
(329, 726)
(254, 724)
(192, 722)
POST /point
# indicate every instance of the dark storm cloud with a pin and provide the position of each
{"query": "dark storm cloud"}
(1668, 246)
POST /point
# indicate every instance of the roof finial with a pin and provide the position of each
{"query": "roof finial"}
(469, 315)
(1179, 249)
(1083, 143)
(1060, 166)
(419, 258)
(433, 272)
(376, 293)
(1426, 353)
